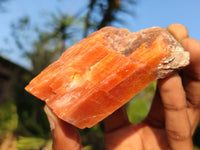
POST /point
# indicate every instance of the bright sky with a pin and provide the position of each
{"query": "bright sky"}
(148, 13)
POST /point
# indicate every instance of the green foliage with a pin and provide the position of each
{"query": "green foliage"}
(138, 107)
(196, 148)
(137, 110)
(32, 120)
(88, 147)
(8, 117)
(93, 138)
(32, 143)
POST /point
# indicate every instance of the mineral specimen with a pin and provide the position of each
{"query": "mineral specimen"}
(99, 74)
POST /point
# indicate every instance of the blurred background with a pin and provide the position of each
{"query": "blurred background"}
(35, 33)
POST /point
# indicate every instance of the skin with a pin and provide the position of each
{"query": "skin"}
(171, 122)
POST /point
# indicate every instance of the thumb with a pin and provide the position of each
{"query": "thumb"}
(65, 136)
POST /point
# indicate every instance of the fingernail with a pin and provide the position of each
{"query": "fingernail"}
(51, 117)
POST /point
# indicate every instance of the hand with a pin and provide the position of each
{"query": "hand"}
(171, 122)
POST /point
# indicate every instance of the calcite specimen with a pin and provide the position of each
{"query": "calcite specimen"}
(99, 74)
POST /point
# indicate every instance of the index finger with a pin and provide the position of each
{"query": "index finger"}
(190, 74)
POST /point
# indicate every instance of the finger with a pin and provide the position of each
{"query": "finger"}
(179, 31)
(191, 80)
(65, 136)
(116, 120)
(155, 117)
(191, 75)
(177, 124)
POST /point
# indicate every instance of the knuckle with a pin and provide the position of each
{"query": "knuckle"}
(171, 107)
(193, 102)
(178, 136)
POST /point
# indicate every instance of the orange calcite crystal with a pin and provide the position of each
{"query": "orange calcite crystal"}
(99, 74)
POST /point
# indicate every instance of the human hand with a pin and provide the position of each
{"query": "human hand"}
(174, 114)
(171, 122)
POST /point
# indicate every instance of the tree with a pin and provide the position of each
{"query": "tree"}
(48, 45)
(103, 13)
(2, 8)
